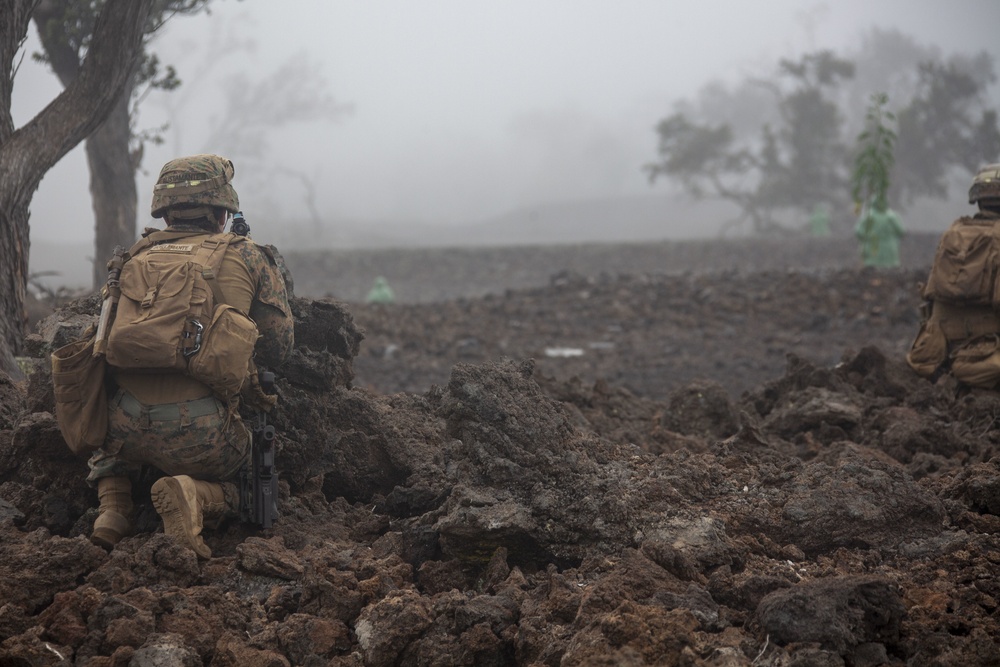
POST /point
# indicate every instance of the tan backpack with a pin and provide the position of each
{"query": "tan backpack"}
(172, 315)
(965, 269)
(963, 300)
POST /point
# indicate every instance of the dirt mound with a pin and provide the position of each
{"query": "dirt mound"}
(516, 512)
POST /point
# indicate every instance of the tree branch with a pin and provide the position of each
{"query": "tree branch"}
(33, 149)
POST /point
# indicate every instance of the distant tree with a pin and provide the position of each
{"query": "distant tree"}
(730, 143)
(115, 149)
(945, 125)
(809, 152)
(793, 164)
(887, 61)
(293, 92)
(252, 109)
(28, 152)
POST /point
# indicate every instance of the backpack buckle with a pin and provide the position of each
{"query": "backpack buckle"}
(196, 336)
(147, 301)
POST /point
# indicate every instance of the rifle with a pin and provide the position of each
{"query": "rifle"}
(110, 292)
(258, 478)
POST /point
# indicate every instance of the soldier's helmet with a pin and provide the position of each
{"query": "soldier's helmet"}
(986, 184)
(195, 181)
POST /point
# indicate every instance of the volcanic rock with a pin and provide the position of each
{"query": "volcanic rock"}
(839, 511)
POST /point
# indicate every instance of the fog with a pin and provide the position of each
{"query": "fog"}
(450, 113)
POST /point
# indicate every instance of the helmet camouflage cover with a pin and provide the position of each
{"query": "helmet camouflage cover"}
(196, 181)
(986, 184)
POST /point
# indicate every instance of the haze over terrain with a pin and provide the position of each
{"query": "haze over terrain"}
(391, 122)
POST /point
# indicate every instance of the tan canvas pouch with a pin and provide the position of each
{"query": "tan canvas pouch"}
(227, 345)
(929, 349)
(977, 363)
(81, 398)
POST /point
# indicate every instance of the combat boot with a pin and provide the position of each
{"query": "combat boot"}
(114, 519)
(218, 503)
(183, 503)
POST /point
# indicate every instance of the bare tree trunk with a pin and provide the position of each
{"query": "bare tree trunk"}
(29, 152)
(14, 17)
(112, 187)
(13, 279)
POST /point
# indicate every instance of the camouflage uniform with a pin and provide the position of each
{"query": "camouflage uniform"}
(171, 421)
(168, 419)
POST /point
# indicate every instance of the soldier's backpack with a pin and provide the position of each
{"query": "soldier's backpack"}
(963, 300)
(965, 269)
(173, 316)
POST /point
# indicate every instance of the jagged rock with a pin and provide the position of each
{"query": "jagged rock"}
(268, 558)
(858, 502)
(702, 408)
(165, 650)
(978, 487)
(855, 616)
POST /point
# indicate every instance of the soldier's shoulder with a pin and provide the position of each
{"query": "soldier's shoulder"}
(256, 254)
(268, 265)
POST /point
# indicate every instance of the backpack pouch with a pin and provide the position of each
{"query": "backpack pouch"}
(224, 359)
(81, 397)
(929, 349)
(977, 362)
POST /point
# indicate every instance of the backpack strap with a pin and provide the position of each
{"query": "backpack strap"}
(210, 256)
(137, 247)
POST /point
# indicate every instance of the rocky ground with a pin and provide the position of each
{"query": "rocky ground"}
(720, 464)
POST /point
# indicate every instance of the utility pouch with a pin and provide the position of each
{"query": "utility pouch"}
(78, 381)
(977, 362)
(223, 360)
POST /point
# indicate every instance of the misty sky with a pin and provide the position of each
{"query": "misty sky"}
(461, 110)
